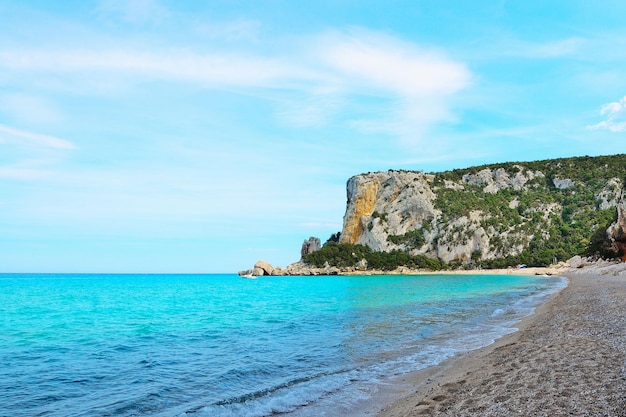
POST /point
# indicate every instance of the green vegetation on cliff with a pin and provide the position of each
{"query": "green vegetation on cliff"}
(590, 170)
(347, 255)
(561, 211)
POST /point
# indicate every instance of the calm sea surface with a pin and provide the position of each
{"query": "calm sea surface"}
(220, 345)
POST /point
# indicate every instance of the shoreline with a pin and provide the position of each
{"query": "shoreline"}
(550, 270)
(567, 358)
(263, 268)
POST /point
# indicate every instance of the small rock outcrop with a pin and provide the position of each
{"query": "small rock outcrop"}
(260, 269)
(576, 262)
(263, 268)
(562, 184)
(494, 180)
(309, 246)
(610, 194)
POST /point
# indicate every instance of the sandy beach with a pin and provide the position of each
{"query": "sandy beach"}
(568, 359)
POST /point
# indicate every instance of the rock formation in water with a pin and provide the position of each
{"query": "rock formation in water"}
(259, 269)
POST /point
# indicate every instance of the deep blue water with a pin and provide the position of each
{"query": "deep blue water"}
(220, 345)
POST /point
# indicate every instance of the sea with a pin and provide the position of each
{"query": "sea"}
(220, 345)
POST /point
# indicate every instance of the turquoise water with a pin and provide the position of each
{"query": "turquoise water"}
(220, 345)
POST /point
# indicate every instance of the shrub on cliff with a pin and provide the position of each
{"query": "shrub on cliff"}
(412, 239)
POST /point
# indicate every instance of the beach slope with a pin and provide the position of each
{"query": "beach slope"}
(567, 359)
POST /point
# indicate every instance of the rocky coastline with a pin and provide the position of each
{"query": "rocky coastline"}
(575, 264)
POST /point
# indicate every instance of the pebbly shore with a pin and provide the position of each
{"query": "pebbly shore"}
(568, 359)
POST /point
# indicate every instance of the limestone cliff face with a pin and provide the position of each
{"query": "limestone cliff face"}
(616, 233)
(362, 197)
(383, 204)
(487, 212)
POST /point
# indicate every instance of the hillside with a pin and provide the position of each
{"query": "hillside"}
(489, 216)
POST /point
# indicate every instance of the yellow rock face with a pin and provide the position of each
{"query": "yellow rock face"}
(366, 197)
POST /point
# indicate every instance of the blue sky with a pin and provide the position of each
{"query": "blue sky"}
(201, 136)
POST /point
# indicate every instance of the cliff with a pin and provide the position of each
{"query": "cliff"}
(616, 233)
(492, 215)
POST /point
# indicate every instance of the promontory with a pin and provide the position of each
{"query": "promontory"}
(492, 216)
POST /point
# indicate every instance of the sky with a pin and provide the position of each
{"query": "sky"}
(167, 136)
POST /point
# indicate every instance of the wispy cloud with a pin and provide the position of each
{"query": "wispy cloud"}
(11, 135)
(207, 69)
(31, 155)
(22, 171)
(235, 30)
(615, 114)
(311, 109)
(135, 11)
(550, 49)
(29, 108)
(390, 64)
(414, 86)
(379, 82)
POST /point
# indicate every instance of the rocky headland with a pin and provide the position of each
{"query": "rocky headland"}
(549, 209)
(489, 217)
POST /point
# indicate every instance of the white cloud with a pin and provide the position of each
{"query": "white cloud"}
(413, 86)
(8, 134)
(208, 69)
(366, 60)
(615, 114)
(407, 88)
(380, 61)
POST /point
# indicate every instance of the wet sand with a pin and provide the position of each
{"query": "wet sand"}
(568, 359)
